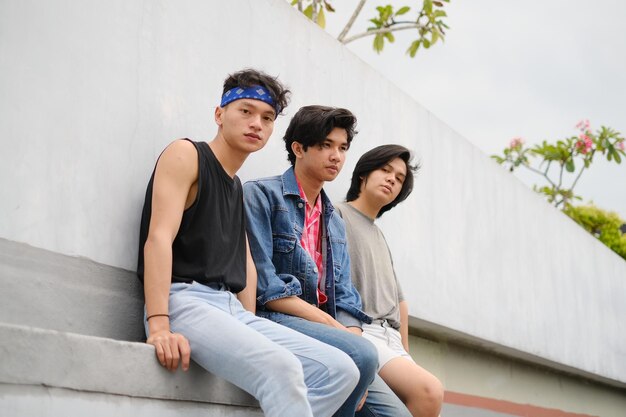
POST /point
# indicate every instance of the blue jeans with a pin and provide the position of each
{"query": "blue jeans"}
(288, 373)
(381, 401)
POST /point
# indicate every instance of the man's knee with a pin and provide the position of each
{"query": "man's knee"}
(346, 370)
(284, 366)
(429, 398)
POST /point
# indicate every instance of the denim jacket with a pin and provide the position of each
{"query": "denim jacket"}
(274, 222)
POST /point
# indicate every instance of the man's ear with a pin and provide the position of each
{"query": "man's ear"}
(363, 179)
(298, 149)
(219, 112)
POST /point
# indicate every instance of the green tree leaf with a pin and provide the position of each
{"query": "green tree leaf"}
(413, 48)
(428, 7)
(321, 19)
(435, 36)
(308, 12)
(379, 43)
(402, 10)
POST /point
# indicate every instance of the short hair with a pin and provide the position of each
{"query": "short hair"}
(376, 159)
(311, 125)
(250, 77)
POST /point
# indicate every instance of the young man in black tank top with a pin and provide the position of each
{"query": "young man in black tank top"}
(199, 278)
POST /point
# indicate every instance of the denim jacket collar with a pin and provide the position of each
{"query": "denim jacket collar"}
(290, 188)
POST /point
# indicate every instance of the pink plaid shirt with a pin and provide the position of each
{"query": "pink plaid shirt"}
(311, 239)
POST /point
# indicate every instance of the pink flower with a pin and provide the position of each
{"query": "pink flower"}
(583, 125)
(516, 143)
(584, 144)
(620, 145)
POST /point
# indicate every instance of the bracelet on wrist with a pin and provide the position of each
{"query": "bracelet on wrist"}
(158, 315)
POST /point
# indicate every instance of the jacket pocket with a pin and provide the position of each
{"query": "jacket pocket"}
(282, 256)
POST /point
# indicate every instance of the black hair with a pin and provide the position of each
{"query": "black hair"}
(376, 159)
(250, 77)
(311, 125)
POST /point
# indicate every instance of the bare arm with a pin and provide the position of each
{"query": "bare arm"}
(295, 306)
(176, 173)
(404, 324)
(247, 296)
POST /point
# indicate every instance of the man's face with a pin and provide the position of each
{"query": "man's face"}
(246, 124)
(324, 162)
(385, 183)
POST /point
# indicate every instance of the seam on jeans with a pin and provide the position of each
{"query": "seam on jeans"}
(374, 413)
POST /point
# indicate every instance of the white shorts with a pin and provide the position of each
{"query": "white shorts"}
(387, 340)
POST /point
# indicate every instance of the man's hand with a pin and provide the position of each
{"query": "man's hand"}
(171, 348)
(325, 318)
(355, 330)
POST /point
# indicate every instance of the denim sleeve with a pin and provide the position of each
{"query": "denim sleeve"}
(347, 296)
(270, 284)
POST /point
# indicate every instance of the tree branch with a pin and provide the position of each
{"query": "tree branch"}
(543, 174)
(348, 26)
(561, 175)
(379, 31)
(315, 7)
(581, 171)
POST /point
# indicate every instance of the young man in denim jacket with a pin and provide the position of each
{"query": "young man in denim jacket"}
(298, 244)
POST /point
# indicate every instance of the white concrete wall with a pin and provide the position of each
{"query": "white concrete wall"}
(91, 91)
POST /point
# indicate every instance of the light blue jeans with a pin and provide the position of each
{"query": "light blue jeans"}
(289, 373)
(381, 400)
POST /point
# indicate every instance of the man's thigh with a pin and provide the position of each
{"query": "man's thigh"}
(222, 334)
(353, 345)
(388, 344)
(218, 337)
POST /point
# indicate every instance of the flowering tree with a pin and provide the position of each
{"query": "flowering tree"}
(553, 161)
(574, 155)
(427, 22)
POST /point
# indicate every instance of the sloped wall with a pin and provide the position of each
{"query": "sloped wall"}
(92, 91)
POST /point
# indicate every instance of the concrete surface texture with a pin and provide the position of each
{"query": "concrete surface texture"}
(40, 401)
(58, 292)
(94, 364)
(92, 92)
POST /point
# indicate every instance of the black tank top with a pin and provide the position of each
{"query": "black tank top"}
(210, 246)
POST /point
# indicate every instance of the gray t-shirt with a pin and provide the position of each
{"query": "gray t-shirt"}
(371, 266)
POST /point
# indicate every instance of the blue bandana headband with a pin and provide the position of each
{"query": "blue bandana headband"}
(256, 92)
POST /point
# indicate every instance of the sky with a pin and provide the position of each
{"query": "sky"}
(530, 69)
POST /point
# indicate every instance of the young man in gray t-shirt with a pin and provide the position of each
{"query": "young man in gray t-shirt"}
(382, 178)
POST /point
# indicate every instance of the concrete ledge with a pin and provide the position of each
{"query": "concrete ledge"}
(39, 401)
(70, 294)
(31, 356)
